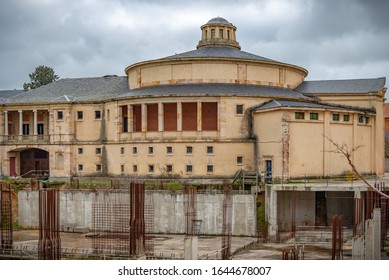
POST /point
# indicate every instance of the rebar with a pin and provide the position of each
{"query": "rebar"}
(227, 223)
(190, 203)
(6, 231)
(337, 237)
(49, 243)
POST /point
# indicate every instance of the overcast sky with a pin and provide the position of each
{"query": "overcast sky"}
(87, 38)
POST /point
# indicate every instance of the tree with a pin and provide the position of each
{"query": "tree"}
(42, 75)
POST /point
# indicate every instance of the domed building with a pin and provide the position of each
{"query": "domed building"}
(207, 113)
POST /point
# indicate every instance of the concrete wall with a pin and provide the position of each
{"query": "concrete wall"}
(169, 215)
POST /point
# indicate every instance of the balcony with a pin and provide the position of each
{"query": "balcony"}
(37, 139)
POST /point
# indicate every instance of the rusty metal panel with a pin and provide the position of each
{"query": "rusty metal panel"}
(189, 116)
(152, 117)
(137, 118)
(170, 116)
(209, 115)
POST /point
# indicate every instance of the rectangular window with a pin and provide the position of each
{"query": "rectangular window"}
(80, 115)
(209, 168)
(80, 151)
(137, 118)
(122, 150)
(122, 168)
(335, 117)
(221, 33)
(135, 168)
(26, 129)
(80, 167)
(239, 160)
(134, 150)
(346, 118)
(150, 150)
(169, 150)
(209, 115)
(189, 116)
(367, 119)
(189, 168)
(314, 116)
(239, 109)
(98, 167)
(152, 117)
(210, 150)
(360, 119)
(124, 110)
(170, 116)
(98, 115)
(213, 33)
(169, 168)
(151, 168)
(228, 34)
(59, 115)
(41, 128)
(189, 149)
(299, 115)
(98, 151)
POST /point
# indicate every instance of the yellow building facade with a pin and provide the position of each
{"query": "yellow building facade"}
(205, 113)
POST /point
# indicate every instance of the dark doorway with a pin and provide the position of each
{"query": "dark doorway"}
(34, 162)
(320, 209)
(269, 168)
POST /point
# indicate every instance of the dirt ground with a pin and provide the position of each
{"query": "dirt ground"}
(209, 247)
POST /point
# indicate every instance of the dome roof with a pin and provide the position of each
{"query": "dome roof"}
(218, 20)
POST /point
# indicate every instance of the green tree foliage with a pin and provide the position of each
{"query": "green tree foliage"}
(42, 75)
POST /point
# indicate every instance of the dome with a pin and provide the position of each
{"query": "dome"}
(218, 20)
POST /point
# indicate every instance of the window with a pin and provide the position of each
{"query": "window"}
(108, 114)
(169, 150)
(151, 168)
(346, 118)
(299, 115)
(239, 109)
(80, 115)
(189, 168)
(59, 115)
(122, 168)
(26, 129)
(221, 33)
(360, 119)
(314, 116)
(122, 150)
(209, 168)
(135, 168)
(98, 167)
(80, 151)
(228, 34)
(213, 33)
(367, 119)
(150, 150)
(41, 128)
(335, 117)
(98, 151)
(239, 160)
(80, 167)
(134, 150)
(169, 168)
(189, 149)
(209, 150)
(97, 115)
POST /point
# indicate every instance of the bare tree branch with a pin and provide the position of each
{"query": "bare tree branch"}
(347, 152)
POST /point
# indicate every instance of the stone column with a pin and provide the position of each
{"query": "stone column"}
(179, 116)
(199, 116)
(20, 122)
(160, 116)
(6, 123)
(271, 211)
(35, 122)
(144, 117)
